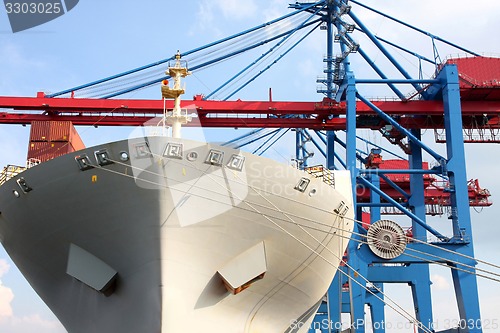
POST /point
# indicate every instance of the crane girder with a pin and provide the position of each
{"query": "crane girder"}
(324, 115)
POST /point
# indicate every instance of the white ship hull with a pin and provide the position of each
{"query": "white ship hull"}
(151, 240)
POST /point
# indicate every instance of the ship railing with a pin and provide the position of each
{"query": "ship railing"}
(320, 171)
(10, 171)
(32, 162)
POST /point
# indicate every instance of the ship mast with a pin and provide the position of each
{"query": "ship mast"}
(177, 117)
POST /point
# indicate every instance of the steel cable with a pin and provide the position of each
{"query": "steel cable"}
(410, 318)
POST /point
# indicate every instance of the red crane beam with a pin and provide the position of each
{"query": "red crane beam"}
(130, 112)
(325, 107)
(374, 123)
(436, 192)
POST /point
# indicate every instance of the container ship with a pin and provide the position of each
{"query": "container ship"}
(164, 234)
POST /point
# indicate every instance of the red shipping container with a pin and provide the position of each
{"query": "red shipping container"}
(50, 131)
(75, 139)
(60, 130)
(402, 165)
(40, 131)
(45, 151)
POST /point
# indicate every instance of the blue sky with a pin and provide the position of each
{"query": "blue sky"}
(101, 38)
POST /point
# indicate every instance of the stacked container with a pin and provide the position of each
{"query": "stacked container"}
(50, 139)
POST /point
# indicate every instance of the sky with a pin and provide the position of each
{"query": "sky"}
(101, 38)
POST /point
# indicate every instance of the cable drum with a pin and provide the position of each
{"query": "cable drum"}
(386, 239)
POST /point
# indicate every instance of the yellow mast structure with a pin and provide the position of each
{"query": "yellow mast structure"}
(175, 118)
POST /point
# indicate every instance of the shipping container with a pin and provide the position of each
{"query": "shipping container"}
(58, 131)
(75, 139)
(40, 131)
(403, 165)
(45, 151)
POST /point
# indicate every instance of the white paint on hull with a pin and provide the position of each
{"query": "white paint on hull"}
(167, 225)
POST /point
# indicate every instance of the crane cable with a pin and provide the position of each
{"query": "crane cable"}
(297, 224)
(396, 307)
(402, 312)
(113, 86)
(358, 234)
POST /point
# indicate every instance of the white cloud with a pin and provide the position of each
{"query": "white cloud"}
(231, 10)
(12, 323)
(31, 323)
(205, 19)
(275, 9)
(439, 282)
(6, 297)
(6, 294)
(15, 64)
(35, 321)
(14, 57)
(4, 267)
(236, 9)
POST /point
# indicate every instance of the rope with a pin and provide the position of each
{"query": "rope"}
(252, 207)
(400, 311)
(447, 250)
(409, 239)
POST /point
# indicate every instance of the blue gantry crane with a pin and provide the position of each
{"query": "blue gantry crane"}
(378, 256)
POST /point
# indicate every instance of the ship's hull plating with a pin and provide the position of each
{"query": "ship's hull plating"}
(168, 220)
